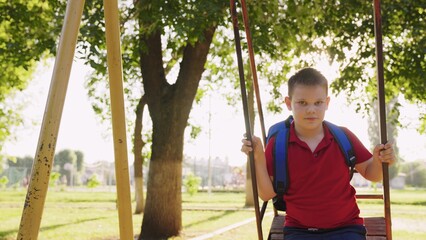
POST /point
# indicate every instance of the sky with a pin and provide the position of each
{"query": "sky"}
(221, 136)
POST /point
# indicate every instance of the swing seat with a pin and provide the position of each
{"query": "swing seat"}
(376, 226)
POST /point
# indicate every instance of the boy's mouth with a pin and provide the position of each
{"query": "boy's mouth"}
(311, 118)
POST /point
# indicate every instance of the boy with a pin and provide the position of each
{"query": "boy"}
(320, 201)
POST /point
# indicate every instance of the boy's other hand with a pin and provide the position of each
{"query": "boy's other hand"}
(384, 153)
(248, 146)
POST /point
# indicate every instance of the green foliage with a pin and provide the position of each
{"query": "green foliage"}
(192, 183)
(27, 35)
(352, 44)
(195, 131)
(288, 30)
(19, 169)
(422, 128)
(93, 181)
(65, 156)
(293, 32)
(287, 37)
(65, 162)
(54, 178)
(25, 162)
(3, 182)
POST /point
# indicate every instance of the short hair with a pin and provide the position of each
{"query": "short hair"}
(308, 77)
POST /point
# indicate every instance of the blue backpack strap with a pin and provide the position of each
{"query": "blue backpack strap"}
(281, 132)
(344, 144)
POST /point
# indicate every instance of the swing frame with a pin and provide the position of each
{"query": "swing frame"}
(37, 189)
(378, 228)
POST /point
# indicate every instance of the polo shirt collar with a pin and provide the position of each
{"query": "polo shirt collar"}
(328, 137)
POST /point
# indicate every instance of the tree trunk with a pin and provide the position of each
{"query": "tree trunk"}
(163, 214)
(169, 107)
(138, 145)
(249, 188)
(391, 128)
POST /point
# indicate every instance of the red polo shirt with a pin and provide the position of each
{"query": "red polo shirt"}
(320, 194)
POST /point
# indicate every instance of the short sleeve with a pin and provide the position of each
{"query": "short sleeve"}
(362, 154)
(270, 156)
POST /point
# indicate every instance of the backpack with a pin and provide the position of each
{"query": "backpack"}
(281, 131)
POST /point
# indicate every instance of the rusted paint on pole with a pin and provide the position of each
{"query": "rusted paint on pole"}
(382, 112)
(115, 72)
(40, 174)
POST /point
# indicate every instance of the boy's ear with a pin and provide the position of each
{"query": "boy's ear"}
(327, 101)
(287, 101)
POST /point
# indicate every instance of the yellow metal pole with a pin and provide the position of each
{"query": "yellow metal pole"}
(37, 189)
(115, 72)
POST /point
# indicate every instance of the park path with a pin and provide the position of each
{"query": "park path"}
(227, 228)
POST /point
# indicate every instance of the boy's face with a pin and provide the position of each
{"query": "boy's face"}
(308, 105)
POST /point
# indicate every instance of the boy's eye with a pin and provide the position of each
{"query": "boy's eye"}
(319, 103)
(303, 103)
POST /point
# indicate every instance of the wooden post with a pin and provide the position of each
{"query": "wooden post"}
(40, 174)
(115, 72)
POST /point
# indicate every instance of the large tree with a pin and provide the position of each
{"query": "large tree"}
(169, 106)
(66, 161)
(391, 129)
(169, 45)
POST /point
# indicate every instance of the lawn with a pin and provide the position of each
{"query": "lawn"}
(84, 214)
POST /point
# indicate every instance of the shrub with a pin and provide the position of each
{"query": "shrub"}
(93, 181)
(54, 177)
(192, 183)
(3, 182)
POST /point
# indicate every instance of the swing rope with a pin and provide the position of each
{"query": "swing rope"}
(382, 112)
(381, 98)
(245, 103)
(255, 84)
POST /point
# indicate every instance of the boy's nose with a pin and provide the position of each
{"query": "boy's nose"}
(310, 108)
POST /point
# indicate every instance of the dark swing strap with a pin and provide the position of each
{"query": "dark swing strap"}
(382, 112)
(255, 83)
(246, 114)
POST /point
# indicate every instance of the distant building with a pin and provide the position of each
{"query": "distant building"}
(398, 182)
(359, 181)
(104, 170)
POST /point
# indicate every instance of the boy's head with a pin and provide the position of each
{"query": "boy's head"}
(307, 77)
(308, 100)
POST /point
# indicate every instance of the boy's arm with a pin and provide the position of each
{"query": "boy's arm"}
(372, 168)
(264, 184)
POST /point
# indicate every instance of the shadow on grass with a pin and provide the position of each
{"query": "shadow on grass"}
(225, 213)
(9, 233)
(421, 203)
(414, 203)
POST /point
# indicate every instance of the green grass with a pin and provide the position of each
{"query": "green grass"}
(92, 215)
